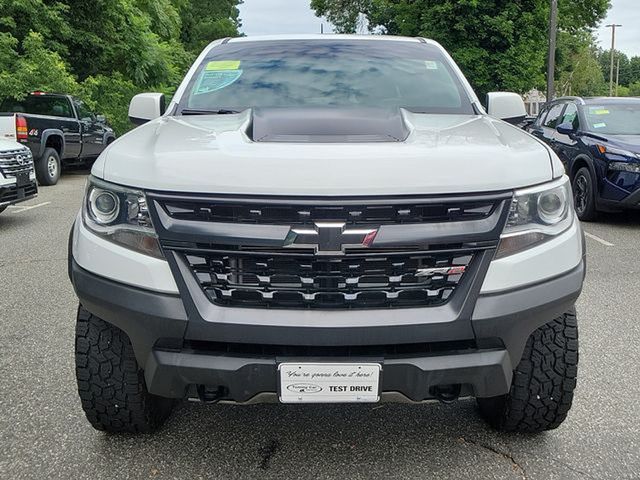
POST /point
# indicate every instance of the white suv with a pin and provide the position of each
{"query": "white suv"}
(326, 219)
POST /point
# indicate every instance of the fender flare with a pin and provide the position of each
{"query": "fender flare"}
(589, 161)
(51, 132)
(106, 137)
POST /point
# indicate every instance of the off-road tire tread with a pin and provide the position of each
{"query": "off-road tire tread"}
(110, 384)
(541, 393)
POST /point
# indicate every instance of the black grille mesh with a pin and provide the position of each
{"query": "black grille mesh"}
(282, 214)
(305, 281)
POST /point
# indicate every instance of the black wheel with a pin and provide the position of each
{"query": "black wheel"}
(48, 167)
(543, 382)
(110, 383)
(584, 195)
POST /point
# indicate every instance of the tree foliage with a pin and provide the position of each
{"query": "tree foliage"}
(106, 50)
(500, 44)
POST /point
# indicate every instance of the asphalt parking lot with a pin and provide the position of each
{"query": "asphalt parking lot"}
(43, 432)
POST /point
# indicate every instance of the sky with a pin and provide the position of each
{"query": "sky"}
(627, 13)
(295, 16)
(264, 17)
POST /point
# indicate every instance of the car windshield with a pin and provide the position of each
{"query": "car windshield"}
(331, 73)
(613, 119)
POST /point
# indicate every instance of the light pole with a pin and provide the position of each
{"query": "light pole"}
(551, 62)
(613, 27)
(617, 74)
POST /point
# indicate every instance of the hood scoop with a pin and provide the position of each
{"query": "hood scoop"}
(328, 125)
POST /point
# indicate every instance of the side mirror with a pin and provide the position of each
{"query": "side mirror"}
(566, 128)
(506, 106)
(145, 107)
(101, 119)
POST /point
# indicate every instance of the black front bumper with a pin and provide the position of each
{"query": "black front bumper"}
(10, 194)
(176, 363)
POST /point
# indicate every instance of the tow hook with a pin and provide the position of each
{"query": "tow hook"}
(208, 394)
(446, 393)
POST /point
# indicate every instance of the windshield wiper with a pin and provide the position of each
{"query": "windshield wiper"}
(221, 111)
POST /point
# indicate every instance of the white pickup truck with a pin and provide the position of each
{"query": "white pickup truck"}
(320, 219)
(17, 175)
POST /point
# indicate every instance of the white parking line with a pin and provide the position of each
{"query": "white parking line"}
(30, 207)
(599, 240)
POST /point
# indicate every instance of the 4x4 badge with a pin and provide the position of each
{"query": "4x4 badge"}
(330, 238)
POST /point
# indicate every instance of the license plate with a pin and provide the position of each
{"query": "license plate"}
(329, 382)
(22, 179)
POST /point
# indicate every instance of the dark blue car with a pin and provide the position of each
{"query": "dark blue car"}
(598, 141)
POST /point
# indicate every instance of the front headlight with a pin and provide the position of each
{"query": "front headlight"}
(625, 167)
(120, 215)
(536, 215)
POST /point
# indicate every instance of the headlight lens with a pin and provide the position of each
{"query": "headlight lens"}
(625, 167)
(120, 215)
(537, 214)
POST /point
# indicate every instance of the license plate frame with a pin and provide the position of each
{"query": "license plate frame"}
(22, 179)
(329, 382)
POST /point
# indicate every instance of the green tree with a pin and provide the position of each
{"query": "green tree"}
(634, 89)
(106, 50)
(29, 66)
(625, 75)
(578, 68)
(206, 20)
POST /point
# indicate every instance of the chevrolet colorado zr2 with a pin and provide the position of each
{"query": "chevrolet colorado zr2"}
(317, 219)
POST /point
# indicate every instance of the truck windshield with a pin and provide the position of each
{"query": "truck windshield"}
(39, 105)
(613, 119)
(326, 73)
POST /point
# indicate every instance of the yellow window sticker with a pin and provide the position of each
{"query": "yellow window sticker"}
(221, 65)
(598, 111)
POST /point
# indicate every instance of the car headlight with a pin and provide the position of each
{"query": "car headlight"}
(120, 215)
(537, 214)
(625, 167)
(617, 152)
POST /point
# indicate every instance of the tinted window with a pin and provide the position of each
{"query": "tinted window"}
(39, 105)
(617, 119)
(571, 116)
(83, 112)
(554, 115)
(541, 116)
(327, 73)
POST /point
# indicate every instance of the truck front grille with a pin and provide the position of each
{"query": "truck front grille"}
(12, 194)
(352, 213)
(15, 161)
(328, 253)
(306, 281)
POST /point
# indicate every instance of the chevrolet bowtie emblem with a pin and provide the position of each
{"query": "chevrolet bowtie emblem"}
(330, 238)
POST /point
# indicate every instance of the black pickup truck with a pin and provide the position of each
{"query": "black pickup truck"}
(58, 129)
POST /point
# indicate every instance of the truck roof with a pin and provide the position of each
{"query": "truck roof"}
(325, 37)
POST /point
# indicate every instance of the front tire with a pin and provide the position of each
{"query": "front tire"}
(48, 167)
(110, 383)
(584, 197)
(543, 382)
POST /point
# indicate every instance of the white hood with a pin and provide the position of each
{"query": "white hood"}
(213, 154)
(6, 145)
